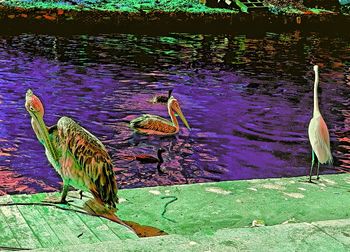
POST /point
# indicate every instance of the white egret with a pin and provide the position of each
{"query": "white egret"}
(318, 134)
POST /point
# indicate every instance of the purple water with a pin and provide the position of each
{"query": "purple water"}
(248, 100)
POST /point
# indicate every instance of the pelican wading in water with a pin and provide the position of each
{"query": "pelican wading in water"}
(318, 134)
(156, 125)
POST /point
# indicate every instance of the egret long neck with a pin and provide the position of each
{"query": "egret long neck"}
(316, 109)
(42, 134)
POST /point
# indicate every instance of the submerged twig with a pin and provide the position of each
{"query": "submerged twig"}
(174, 198)
(13, 248)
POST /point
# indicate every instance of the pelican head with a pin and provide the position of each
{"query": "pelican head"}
(33, 105)
(36, 110)
(173, 105)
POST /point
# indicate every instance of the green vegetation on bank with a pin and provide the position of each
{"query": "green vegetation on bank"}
(131, 6)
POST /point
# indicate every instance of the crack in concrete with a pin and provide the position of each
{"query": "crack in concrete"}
(331, 236)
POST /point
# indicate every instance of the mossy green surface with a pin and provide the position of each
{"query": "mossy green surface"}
(214, 214)
(317, 236)
(208, 207)
(212, 206)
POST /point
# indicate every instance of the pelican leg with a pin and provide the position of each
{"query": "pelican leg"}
(312, 165)
(318, 170)
(64, 193)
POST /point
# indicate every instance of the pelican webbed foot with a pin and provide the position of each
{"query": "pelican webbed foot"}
(55, 200)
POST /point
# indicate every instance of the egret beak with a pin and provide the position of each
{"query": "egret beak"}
(179, 113)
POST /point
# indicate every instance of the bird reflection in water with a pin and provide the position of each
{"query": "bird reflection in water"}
(149, 159)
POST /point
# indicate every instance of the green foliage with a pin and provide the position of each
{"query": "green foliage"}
(132, 6)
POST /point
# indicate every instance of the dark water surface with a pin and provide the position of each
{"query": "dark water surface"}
(248, 100)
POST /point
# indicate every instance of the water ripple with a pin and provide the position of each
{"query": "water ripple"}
(247, 99)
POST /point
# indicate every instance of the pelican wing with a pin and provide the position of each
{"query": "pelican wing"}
(92, 159)
(154, 123)
(319, 139)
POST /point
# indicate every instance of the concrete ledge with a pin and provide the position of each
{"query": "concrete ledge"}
(205, 213)
(209, 207)
(315, 236)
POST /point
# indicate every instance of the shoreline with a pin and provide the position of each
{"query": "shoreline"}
(56, 20)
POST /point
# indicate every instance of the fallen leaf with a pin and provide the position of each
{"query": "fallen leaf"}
(258, 223)
(48, 17)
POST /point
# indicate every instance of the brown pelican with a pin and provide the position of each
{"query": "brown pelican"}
(78, 156)
(149, 159)
(162, 98)
(83, 162)
(156, 125)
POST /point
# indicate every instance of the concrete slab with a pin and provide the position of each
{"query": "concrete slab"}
(315, 236)
(286, 214)
(209, 207)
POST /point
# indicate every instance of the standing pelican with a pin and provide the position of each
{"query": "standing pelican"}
(318, 134)
(83, 162)
(79, 157)
(156, 125)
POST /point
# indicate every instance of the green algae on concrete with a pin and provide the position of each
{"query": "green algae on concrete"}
(209, 207)
(192, 211)
(316, 236)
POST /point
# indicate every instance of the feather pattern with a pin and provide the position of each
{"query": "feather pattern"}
(319, 139)
(84, 161)
(153, 122)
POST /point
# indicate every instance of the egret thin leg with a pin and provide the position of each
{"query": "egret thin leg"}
(312, 165)
(318, 170)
